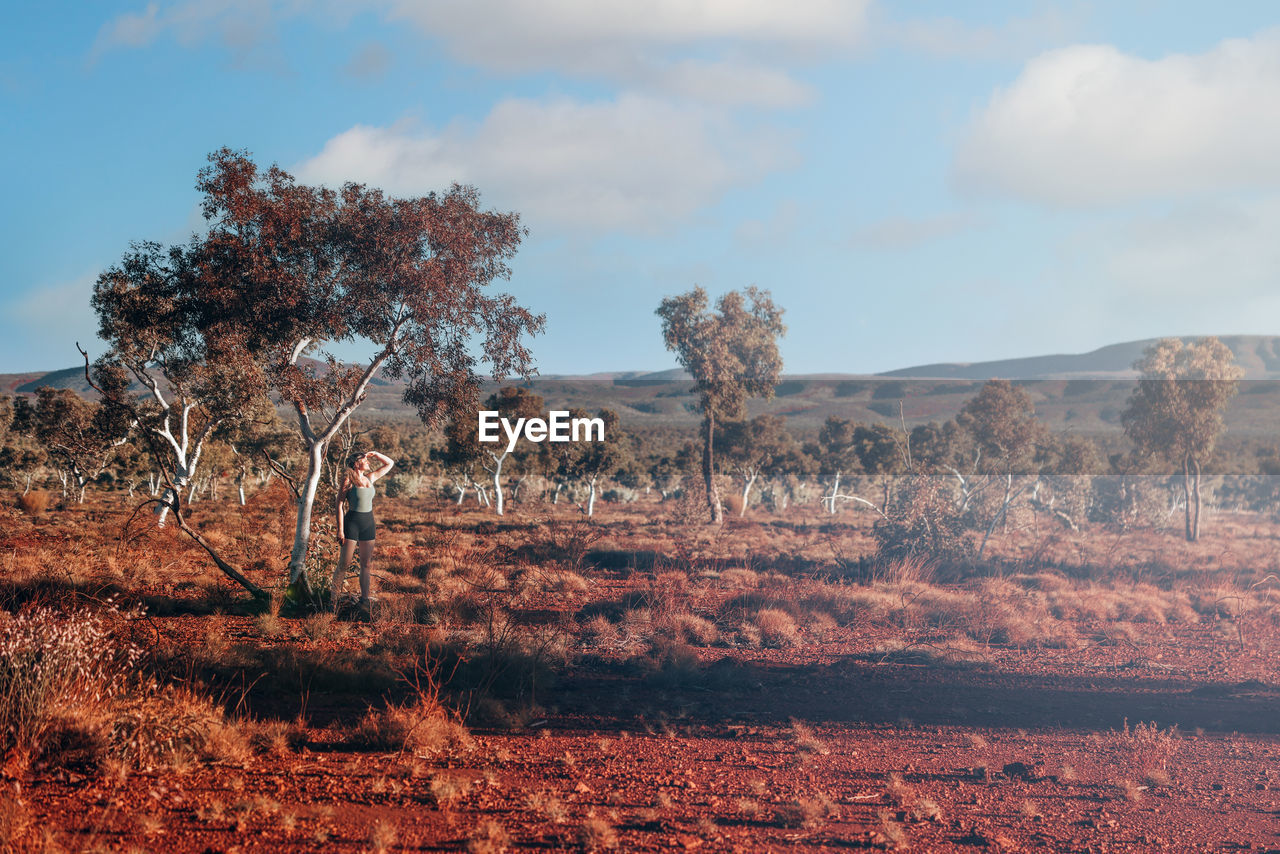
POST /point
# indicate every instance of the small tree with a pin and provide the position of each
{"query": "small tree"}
(753, 449)
(512, 403)
(732, 355)
(1175, 413)
(80, 436)
(836, 457)
(881, 452)
(590, 462)
(1001, 418)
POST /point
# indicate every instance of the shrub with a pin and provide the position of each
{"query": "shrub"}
(424, 728)
(51, 662)
(71, 694)
(922, 521)
(34, 503)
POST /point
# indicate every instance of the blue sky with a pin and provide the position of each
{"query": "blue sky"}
(914, 182)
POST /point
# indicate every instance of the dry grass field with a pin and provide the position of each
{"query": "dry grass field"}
(639, 682)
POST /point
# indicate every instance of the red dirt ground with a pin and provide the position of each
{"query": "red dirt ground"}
(830, 744)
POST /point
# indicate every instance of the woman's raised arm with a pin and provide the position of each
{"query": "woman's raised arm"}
(385, 465)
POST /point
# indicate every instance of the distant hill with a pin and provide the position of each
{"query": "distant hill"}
(1082, 393)
(1259, 355)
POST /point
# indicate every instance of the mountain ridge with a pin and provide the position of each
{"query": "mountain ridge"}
(1084, 392)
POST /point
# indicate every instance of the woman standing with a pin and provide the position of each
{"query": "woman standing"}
(355, 519)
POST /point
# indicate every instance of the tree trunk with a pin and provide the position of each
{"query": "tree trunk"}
(591, 497)
(1195, 484)
(831, 499)
(302, 533)
(1004, 509)
(708, 472)
(1186, 498)
(497, 486)
(746, 494)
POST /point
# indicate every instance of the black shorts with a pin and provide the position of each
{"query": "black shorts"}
(358, 526)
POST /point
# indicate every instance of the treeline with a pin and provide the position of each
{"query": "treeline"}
(995, 452)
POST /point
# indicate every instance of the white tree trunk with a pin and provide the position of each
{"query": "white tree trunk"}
(830, 500)
(306, 501)
(746, 494)
(497, 484)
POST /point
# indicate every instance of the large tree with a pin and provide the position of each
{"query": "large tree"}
(1175, 413)
(732, 355)
(285, 271)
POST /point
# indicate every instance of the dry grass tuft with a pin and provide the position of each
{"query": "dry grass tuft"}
(688, 628)
(1130, 790)
(72, 695)
(776, 627)
(548, 806)
(804, 739)
(808, 813)
(489, 837)
(383, 835)
(596, 834)
(34, 503)
(891, 835)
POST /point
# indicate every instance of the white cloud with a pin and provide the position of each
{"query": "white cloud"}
(728, 83)
(1089, 125)
(718, 51)
(131, 30)
(239, 25)
(526, 34)
(637, 162)
(951, 38)
(658, 45)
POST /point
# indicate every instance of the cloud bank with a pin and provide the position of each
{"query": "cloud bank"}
(635, 163)
(1090, 125)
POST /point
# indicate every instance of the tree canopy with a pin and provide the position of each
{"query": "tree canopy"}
(732, 355)
(1175, 412)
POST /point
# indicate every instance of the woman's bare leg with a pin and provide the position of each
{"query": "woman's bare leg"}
(340, 571)
(366, 561)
